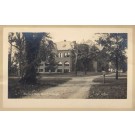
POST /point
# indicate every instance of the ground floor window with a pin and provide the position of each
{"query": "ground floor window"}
(46, 69)
(59, 70)
(41, 64)
(66, 70)
(40, 70)
(52, 70)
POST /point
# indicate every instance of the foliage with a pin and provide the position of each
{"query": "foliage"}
(114, 45)
(17, 44)
(84, 54)
(111, 89)
(32, 47)
(27, 50)
(49, 57)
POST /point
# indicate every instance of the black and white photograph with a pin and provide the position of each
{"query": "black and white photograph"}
(67, 63)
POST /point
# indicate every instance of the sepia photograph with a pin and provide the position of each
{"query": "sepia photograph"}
(51, 65)
(82, 64)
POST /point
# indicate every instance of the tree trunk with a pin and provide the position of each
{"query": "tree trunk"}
(32, 50)
(20, 64)
(10, 60)
(85, 71)
(116, 65)
(30, 76)
(76, 64)
(75, 68)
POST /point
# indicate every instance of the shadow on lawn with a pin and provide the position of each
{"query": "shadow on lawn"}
(112, 89)
(17, 90)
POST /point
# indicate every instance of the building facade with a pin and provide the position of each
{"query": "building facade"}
(63, 58)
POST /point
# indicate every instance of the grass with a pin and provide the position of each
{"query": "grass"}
(71, 74)
(17, 90)
(112, 89)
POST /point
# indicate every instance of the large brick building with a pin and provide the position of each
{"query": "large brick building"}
(63, 59)
(64, 56)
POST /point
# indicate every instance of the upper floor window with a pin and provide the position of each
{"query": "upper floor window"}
(59, 63)
(60, 55)
(66, 63)
(66, 54)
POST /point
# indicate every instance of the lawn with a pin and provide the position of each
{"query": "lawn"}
(71, 74)
(112, 89)
(17, 90)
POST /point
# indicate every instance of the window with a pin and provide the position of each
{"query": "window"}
(60, 55)
(53, 70)
(66, 63)
(41, 64)
(46, 69)
(68, 54)
(65, 54)
(47, 64)
(66, 70)
(40, 70)
(59, 70)
(59, 63)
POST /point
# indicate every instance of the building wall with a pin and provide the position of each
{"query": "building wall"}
(64, 63)
(64, 57)
(41, 68)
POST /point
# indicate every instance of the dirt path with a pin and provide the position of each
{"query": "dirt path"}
(77, 87)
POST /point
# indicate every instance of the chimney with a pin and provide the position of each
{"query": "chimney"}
(74, 42)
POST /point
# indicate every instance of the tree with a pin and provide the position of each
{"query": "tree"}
(103, 60)
(27, 50)
(32, 47)
(84, 54)
(11, 40)
(48, 53)
(114, 45)
(16, 41)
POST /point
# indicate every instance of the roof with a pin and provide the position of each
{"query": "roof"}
(68, 45)
(64, 45)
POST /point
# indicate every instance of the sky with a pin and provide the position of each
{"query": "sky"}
(70, 34)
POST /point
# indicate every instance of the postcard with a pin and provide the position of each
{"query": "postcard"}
(67, 67)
